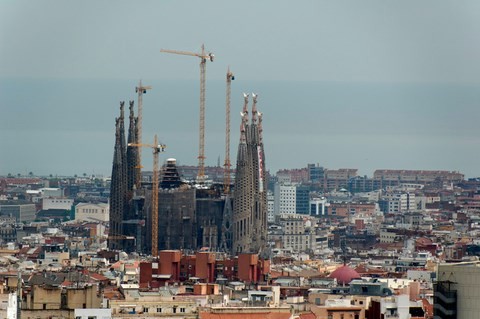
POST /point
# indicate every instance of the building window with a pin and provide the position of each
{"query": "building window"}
(182, 309)
(159, 309)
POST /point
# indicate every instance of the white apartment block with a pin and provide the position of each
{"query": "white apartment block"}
(400, 202)
(92, 212)
(57, 203)
(51, 192)
(270, 207)
(285, 199)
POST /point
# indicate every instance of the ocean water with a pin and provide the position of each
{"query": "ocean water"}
(67, 126)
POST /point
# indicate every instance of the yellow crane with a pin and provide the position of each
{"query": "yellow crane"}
(157, 149)
(227, 165)
(201, 148)
(140, 89)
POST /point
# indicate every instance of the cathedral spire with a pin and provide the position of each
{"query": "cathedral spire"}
(260, 129)
(118, 184)
(249, 203)
(244, 112)
(254, 108)
(132, 152)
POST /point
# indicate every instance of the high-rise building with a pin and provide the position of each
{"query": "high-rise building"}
(316, 173)
(302, 200)
(285, 199)
(249, 218)
(291, 199)
(270, 207)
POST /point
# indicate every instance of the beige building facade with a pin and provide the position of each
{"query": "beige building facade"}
(92, 212)
(457, 290)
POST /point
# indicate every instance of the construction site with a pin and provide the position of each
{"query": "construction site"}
(155, 209)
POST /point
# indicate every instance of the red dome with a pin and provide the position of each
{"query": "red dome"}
(344, 275)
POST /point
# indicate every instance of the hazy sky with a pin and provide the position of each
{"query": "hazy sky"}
(362, 84)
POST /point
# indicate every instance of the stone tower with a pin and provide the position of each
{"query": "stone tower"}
(124, 212)
(118, 185)
(249, 218)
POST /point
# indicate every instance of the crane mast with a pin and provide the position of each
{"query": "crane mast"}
(201, 145)
(227, 164)
(140, 89)
(157, 149)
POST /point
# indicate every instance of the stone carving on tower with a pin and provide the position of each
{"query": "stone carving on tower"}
(132, 154)
(249, 205)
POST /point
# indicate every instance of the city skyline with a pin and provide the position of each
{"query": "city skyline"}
(367, 86)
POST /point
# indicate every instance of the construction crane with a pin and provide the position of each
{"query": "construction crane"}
(157, 149)
(201, 149)
(140, 89)
(227, 165)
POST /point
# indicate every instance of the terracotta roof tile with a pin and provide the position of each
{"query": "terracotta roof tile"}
(98, 277)
(243, 315)
(309, 315)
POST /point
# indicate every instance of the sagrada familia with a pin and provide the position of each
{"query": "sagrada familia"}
(190, 217)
